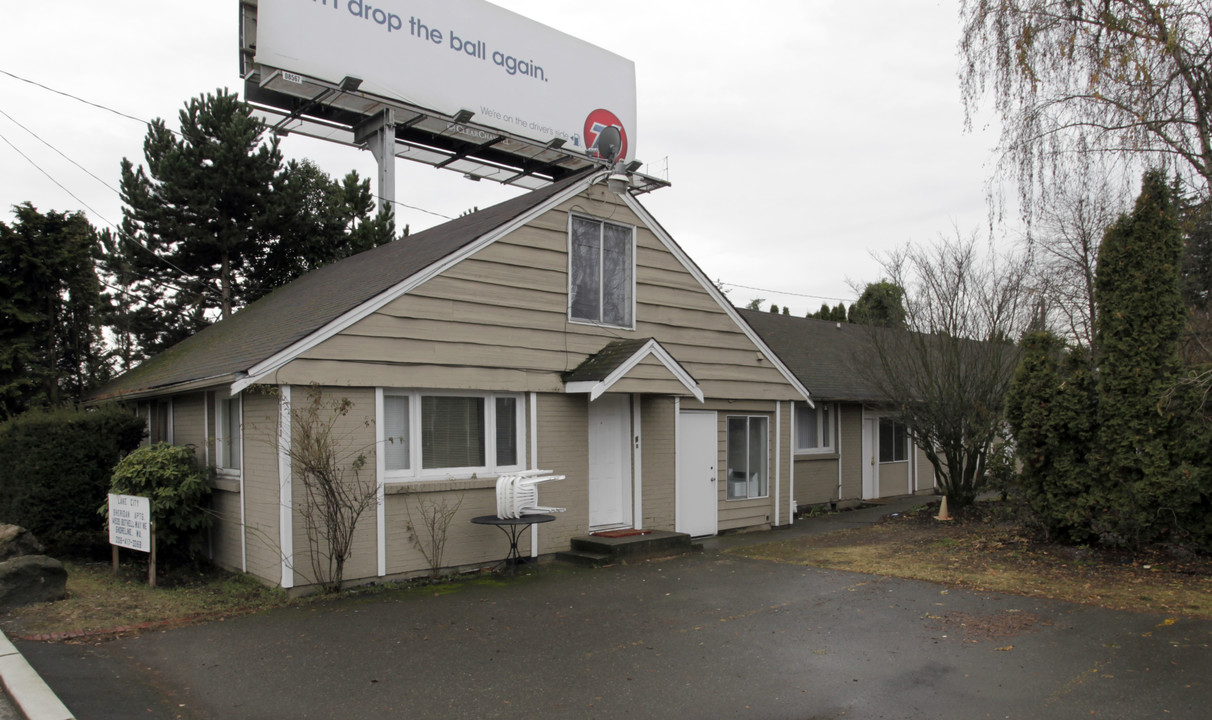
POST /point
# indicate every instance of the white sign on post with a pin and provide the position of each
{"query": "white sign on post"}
(130, 522)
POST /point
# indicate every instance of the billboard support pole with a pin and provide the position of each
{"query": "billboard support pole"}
(378, 134)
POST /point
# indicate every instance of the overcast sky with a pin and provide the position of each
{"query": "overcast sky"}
(801, 137)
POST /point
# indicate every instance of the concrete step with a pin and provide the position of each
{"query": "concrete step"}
(633, 547)
(585, 559)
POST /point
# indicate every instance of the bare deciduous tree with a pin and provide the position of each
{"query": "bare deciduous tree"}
(1064, 250)
(327, 460)
(1127, 81)
(947, 376)
(429, 535)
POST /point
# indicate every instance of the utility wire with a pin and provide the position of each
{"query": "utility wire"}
(103, 219)
(784, 292)
(148, 123)
(76, 98)
(65, 157)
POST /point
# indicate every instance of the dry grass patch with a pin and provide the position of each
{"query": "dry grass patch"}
(100, 604)
(988, 550)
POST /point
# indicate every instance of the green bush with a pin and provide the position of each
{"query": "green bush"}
(179, 495)
(55, 470)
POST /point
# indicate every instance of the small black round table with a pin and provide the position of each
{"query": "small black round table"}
(513, 528)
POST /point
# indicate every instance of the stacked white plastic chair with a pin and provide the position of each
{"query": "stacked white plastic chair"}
(518, 493)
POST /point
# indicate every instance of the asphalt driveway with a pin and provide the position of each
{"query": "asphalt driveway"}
(710, 635)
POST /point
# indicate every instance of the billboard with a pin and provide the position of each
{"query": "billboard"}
(452, 56)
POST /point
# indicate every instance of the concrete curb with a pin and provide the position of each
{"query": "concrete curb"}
(27, 690)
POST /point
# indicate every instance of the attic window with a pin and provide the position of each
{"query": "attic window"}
(601, 286)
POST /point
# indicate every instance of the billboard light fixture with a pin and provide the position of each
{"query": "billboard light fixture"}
(633, 166)
(555, 143)
(463, 116)
(349, 83)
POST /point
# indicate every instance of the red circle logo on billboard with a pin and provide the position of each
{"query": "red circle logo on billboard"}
(595, 123)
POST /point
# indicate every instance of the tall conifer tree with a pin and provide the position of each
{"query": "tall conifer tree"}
(50, 342)
(1139, 327)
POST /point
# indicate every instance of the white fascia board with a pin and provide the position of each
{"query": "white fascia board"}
(715, 293)
(261, 370)
(205, 383)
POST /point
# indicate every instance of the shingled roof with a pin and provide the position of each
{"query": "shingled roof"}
(226, 350)
(823, 354)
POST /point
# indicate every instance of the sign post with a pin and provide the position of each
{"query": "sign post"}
(131, 526)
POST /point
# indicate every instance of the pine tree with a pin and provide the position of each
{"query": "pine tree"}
(51, 350)
(214, 221)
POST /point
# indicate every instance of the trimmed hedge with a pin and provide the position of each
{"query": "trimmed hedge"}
(55, 470)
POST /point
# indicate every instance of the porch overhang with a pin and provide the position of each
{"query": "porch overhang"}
(622, 361)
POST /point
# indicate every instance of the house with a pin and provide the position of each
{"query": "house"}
(561, 330)
(848, 444)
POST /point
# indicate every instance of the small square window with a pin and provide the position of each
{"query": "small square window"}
(894, 441)
(813, 428)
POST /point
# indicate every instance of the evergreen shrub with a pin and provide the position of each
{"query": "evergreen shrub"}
(179, 496)
(55, 470)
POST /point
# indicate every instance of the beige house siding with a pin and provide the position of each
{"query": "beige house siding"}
(499, 320)
(563, 437)
(657, 462)
(925, 473)
(225, 547)
(189, 423)
(754, 512)
(261, 490)
(356, 432)
(851, 445)
(815, 478)
(894, 478)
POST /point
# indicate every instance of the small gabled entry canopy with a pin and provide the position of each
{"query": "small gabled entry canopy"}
(640, 366)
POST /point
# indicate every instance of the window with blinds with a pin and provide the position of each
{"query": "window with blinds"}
(428, 434)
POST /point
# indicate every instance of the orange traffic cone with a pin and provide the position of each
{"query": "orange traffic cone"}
(942, 510)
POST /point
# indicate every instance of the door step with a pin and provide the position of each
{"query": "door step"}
(596, 550)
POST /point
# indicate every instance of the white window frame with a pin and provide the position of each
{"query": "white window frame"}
(224, 405)
(573, 217)
(824, 440)
(765, 455)
(416, 469)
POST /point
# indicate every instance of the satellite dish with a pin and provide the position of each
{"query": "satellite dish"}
(609, 143)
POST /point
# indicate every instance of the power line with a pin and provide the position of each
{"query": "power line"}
(75, 97)
(784, 292)
(65, 157)
(51, 178)
(148, 123)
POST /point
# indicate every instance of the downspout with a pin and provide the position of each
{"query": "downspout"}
(838, 415)
(778, 456)
(286, 540)
(534, 463)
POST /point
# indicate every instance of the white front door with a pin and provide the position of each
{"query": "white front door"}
(697, 478)
(871, 466)
(610, 462)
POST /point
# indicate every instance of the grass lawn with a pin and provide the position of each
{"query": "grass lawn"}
(100, 604)
(987, 549)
